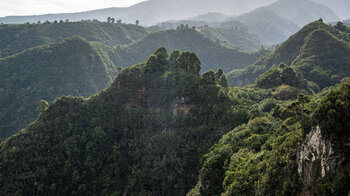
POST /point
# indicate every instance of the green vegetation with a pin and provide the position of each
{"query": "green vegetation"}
(324, 59)
(166, 127)
(229, 33)
(69, 67)
(212, 54)
(260, 158)
(16, 38)
(238, 37)
(333, 115)
(39, 71)
(143, 135)
(319, 52)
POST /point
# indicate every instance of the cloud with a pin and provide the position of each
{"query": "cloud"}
(36, 7)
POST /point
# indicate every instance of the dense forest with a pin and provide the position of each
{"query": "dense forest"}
(213, 55)
(319, 52)
(68, 67)
(16, 38)
(199, 105)
(147, 132)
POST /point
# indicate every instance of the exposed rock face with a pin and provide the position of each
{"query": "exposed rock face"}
(317, 158)
(180, 107)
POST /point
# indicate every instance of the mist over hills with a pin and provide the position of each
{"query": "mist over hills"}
(212, 54)
(272, 24)
(16, 38)
(269, 26)
(302, 12)
(108, 108)
(341, 7)
(276, 22)
(152, 11)
(162, 128)
(31, 56)
(322, 62)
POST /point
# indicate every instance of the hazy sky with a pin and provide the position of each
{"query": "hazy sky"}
(34, 7)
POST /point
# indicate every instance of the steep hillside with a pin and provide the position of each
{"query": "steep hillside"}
(268, 25)
(324, 59)
(16, 38)
(298, 148)
(230, 33)
(156, 131)
(144, 135)
(300, 51)
(212, 54)
(69, 67)
(239, 37)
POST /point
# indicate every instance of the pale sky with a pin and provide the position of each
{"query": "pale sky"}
(35, 7)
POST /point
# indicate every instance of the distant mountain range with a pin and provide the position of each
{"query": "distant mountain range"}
(16, 38)
(341, 7)
(154, 11)
(270, 24)
(276, 22)
(213, 55)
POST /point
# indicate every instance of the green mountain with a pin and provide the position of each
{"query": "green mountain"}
(144, 135)
(69, 67)
(212, 54)
(160, 127)
(106, 52)
(229, 33)
(297, 148)
(239, 37)
(318, 51)
(16, 38)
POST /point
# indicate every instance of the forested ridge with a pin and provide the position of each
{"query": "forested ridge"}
(96, 108)
(51, 59)
(16, 38)
(212, 54)
(69, 67)
(147, 134)
(144, 134)
(323, 62)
